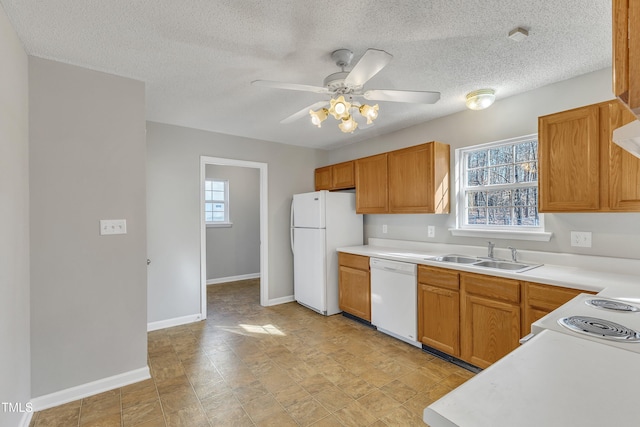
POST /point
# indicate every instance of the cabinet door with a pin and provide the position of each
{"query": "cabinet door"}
(569, 158)
(343, 176)
(371, 184)
(355, 292)
(323, 178)
(626, 52)
(411, 180)
(439, 318)
(490, 329)
(624, 168)
(540, 300)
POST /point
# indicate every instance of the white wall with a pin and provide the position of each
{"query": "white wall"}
(235, 251)
(87, 162)
(614, 234)
(14, 217)
(173, 206)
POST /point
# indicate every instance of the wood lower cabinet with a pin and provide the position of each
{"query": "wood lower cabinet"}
(490, 320)
(626, 53)
(340, 176)
(354, 285)
(439, 309)
(540, 300)
(371, 185)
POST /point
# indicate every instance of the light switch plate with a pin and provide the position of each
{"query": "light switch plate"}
(581, 239)
(113, 226)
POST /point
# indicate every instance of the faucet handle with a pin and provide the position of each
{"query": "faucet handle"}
(514, 254)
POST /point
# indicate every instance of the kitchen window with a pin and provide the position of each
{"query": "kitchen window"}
(498, 188)
(216, 203)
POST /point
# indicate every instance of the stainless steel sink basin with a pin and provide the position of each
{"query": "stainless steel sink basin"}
(506, 265)
(459, 259)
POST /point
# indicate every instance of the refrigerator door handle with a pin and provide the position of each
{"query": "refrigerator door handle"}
(291, 228)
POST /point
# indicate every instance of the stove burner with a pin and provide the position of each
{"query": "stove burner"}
(606, 304)
(600, 328)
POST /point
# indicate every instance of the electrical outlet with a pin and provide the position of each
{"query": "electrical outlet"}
(384, 229)
(581, 239)
(113, 226)
(431, 231)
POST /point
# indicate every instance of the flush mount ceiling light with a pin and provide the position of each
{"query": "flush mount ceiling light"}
(480, 99)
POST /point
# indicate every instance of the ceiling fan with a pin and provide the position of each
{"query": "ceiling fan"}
(343, 86)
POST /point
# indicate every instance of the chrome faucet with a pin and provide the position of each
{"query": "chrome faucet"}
(514, 254)
(490, 249)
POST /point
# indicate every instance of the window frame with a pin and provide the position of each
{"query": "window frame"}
(227, 221)
(518, 232)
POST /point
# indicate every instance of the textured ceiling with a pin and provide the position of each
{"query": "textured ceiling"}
(198, 57)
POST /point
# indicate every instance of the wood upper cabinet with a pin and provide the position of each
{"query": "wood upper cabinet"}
(354, 285)
(626, 53)
(581, 169)
(569, 160)
(624, 167)
(439, 309)
(340, 176)
(410, 180)
(490, 320)
(371, 185)
(540, 300)
(419, 179)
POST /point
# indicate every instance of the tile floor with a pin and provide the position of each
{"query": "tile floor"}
(248, 365)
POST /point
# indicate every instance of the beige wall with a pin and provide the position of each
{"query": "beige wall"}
(87, 163)
(614, 234)
(173, 203)
(14, 217)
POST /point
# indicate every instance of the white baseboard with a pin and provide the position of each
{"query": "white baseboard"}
(176, 321)
(89, 389)
(26, 419)
(281, 300)
(233, 278)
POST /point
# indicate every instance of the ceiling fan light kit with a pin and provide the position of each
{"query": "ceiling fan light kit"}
(480, 99)
(350, 84)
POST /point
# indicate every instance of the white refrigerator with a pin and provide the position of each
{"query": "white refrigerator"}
(321, 222)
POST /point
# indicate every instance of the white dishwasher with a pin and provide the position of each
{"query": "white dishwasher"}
(394, 299)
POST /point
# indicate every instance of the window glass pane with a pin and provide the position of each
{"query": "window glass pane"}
(499, 216)
(208, 195)
(476, 177)
(526, 216)
(527, 151)
(499, 198)
(476, 199)
(208, 216)
(208, 185)
(218, 207)
(217, 216)
(477, 159)
(218, 186)
(501, 175)
(526, 172)
(501, 155)
(217, 195)
(476, 216)
(525, 197)
(208, 207)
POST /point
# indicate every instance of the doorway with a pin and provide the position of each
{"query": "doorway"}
(264, 276)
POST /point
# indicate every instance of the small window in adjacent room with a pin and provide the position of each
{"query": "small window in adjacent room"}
(498, 187)
(216, 203)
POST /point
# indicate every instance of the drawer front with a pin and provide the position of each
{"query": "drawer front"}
(547, 295)
(491, 287)
(354, 261)
(440, 277)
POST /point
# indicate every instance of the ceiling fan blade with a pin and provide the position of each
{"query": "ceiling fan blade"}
(368, 66)
(290, 86)
(414, 96)
(304, 112)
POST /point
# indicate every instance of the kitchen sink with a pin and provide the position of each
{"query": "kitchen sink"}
(506, 265)
(459, 259)
(497, 264)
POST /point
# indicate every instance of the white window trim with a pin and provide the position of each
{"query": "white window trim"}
(495, 232)
(220, 224)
